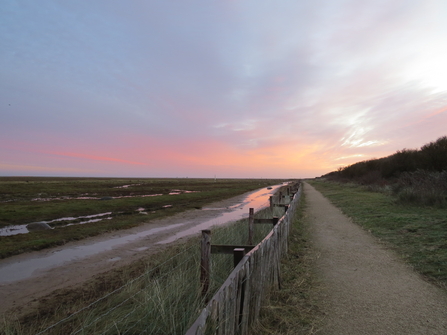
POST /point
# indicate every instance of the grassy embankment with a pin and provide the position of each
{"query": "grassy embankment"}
(56, 200)
(417, 233)
(414, 176)
(401, 199)
(158, 296)
(292, 309)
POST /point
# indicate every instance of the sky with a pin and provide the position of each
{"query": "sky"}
(225, 88)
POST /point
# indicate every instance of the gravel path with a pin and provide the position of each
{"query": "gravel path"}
(365, 288)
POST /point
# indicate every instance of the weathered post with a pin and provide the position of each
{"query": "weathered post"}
(271, 202)
(251, 221)
(238, 254)
(205, 261)
(279, 197)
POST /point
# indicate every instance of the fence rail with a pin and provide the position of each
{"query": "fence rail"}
(165, 298)
(237, 304)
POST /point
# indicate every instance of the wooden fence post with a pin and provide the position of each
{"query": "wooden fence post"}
(238, 254)
(271, 202)
(205, 261)
(251, 221)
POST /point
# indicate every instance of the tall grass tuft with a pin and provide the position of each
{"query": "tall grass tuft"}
(165, 299)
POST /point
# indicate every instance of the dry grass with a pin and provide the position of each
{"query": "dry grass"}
(292, 309)
(164, 300)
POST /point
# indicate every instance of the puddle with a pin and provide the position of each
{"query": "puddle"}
(173, 192)
(96, 198)
(14, 230)
(137, 196)
(21, 229)
(84, 222)
(176, 192)
(141, 210)
(127, 186)
(256, 200)
(24, 269)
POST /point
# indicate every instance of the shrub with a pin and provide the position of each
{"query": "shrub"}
(431, 157)
(435, 155)
(423, 187)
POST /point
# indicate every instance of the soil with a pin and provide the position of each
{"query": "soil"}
(22, 297)
(364, 287)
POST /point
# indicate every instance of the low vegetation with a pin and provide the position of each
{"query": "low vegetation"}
(401, 199)
(417, 233)
(292, 310)
(414, 176)
(31, 199)
(158, 296)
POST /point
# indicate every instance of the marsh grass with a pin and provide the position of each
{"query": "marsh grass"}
(18, 206)
(418, 233)
(161, 296)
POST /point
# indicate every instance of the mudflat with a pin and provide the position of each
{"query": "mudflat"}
(22, 296)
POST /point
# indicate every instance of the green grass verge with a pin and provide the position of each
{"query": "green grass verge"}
(18, 206)
(292, 310)
(417, 233)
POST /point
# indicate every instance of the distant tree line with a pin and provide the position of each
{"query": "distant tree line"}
(418, 176)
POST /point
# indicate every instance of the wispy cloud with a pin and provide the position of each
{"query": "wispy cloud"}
(97, 158)
(235, 88)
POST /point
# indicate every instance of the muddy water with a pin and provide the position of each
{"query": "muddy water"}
(24, 269)
(22, 229)
(15, 271)
(256, 200)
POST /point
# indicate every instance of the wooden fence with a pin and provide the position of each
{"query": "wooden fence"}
(236, 305)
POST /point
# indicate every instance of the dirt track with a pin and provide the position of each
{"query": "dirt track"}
(365, 288)
(20, 297)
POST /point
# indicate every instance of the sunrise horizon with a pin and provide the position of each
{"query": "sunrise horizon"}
(234, 89)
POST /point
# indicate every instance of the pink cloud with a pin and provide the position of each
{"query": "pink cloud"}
(93, 157)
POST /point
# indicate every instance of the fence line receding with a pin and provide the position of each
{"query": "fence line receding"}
(236, 305)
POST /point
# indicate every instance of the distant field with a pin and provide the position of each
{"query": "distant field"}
(120, 202)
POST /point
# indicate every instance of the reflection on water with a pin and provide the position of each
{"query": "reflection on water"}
(173, 192)
(256, 200)
(14, 230)
(127, 186)
(22, 229)
(24, 269)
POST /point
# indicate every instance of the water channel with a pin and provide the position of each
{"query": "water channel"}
(14, 271)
